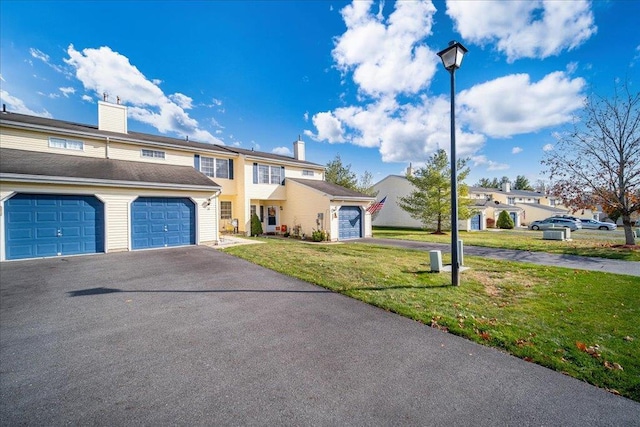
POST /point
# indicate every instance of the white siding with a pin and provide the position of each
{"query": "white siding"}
(392, 215)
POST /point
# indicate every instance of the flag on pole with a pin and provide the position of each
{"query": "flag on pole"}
(376, 206)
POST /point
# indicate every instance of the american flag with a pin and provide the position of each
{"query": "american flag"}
(376, 206)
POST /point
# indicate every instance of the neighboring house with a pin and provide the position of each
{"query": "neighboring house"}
(69, 188)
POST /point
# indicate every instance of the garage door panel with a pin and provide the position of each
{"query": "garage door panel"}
(51, 225)
(162, 222)
(349, 222)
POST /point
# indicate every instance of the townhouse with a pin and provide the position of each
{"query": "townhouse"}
(69, 188)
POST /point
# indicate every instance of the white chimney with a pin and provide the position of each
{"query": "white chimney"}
(112, 117)
(506, 187)
(410, 170)
(298, 149)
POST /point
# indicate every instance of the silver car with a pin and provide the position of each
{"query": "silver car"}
(549, 223)
(597, 225)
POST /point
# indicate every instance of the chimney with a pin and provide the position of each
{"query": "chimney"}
(506, 187)
(410, 170)
(298, 149)
(112, 117)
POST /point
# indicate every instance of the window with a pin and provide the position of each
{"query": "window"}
(67, 144)
(264, 174)
(152, 154)
(307, 172)
(225, 210)
(215, 168)
(206, 166)
(511, 200)
(222, 168)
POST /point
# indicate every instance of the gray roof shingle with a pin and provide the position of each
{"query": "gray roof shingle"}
(35, 163)
(332, 190)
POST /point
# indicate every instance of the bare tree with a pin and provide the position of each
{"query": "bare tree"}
(597, 164)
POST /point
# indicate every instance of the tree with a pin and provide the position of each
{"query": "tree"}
(505, 221)
(522, 183)
(430, 202)
(256, 225)
(488, 183)
(337, 173)
(597, 163)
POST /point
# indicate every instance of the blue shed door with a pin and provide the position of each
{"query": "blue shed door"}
(45, 225)
(475, 222)
(514, 217)
(158, 222)
(349, 223)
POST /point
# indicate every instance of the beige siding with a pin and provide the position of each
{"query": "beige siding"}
(302, 208)
(36, 141)
(123, 151)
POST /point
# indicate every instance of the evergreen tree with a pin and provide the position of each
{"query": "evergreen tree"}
(505, 221)
(488, 183)
(337, 173)
(522, 183)
(430, 202)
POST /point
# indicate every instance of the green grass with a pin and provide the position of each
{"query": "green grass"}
(546, 315)
(602, 244)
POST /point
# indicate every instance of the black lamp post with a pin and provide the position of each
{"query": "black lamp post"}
(451, 59)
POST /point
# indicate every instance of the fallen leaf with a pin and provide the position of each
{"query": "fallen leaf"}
(628, 338)
(581, 346)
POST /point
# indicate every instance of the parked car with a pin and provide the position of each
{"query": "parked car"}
(597, 225)
(571, 217)
(554, 222)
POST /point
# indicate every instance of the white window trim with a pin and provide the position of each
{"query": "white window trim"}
(153, 154)
(65, 143)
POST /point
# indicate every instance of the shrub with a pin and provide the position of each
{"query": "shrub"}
(318, 235)
(505, 221)
(256, 225)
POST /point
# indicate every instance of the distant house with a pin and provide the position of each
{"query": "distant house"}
(523, 206)
(69, 188)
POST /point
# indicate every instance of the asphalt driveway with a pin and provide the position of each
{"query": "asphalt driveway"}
(193, 336)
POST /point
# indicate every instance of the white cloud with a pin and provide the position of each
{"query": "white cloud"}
(305, 116)
(387, 57)
(513, 105)
(38, 54)
(66, 91)
(516, 150)
(490, 165)
(328, 126)
(87, 98)
(18, 106)
(547, 147)
(524, 29)
(103, 70)
(283, 151)
(182, 100)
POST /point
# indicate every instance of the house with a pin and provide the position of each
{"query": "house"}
(69, 188)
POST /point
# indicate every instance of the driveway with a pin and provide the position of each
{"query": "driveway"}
(193, 336)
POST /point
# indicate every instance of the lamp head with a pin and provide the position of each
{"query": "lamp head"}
(452, 55)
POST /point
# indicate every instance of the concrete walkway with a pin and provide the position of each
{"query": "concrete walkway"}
(631, 268)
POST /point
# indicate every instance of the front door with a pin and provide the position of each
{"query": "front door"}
(272, 219)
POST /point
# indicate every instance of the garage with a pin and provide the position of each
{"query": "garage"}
(158, 222)
(46, 225)
(349, 222)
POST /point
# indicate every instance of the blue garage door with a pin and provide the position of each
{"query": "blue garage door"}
(44, 225)
(158, 222)
(349, 223)
(475, 222)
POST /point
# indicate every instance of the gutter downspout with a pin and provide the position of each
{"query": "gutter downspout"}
(216, 221)
(106, 149)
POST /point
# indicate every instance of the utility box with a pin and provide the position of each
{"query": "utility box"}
(435, 257)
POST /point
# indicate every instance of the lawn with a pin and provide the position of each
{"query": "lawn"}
(596, 243)
(581, 323)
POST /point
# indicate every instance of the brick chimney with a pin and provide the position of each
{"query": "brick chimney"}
(112, 117)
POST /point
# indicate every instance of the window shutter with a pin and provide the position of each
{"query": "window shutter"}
(255, 173)
(282, 174)
(230, 168)
(196, 161)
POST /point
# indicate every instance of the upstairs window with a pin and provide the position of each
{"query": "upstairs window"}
(265, 174)
(307, 172)
(152, 154)
(67, 144)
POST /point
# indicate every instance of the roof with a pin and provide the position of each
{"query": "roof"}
(332, 190)
(521, 193)
(35, 165)
(495, 204)
(7, 118)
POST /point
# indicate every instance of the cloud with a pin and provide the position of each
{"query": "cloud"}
(38, 54)
(547, 147)
(283, 151)
(328, 126)
(524, 29)
(490, 165)
(87, 98)
(67, 90)
(513, 105)
(17, 105)
(387, 57)
(104, 71)
(305, 116)
(516, 150)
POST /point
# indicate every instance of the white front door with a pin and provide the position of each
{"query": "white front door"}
(272, 219)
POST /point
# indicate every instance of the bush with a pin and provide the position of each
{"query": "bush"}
(318, 235)
(256, 225)
(505, 221)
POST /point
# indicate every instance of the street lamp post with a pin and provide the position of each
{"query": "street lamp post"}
(451, 59)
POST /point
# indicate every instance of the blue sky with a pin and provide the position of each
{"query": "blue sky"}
(358, 79)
